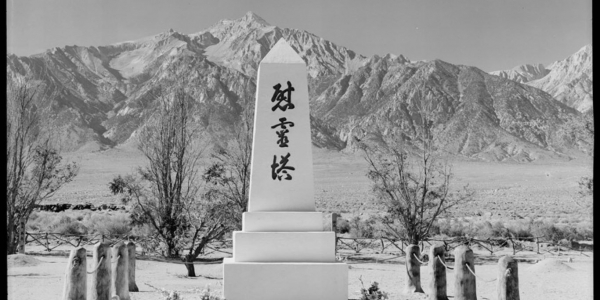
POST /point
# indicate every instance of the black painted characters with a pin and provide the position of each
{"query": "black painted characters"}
(279, 170)
(281, 134)
(280, 96)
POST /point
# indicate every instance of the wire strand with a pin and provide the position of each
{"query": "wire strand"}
(478, 276)
(97, 265)
(423, 263)
(449, 268)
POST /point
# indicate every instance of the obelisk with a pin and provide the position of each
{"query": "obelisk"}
(282, 252)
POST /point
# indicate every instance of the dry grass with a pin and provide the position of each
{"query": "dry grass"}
(503, 190)
(547, 230)
(80, 222)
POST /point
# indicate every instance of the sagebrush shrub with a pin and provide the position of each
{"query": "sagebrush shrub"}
(79, 223)
(110, 225)
(39, 221)
(483, 230)
(455, 229)
(435, 229)
(342, 226)
(373, 292)
(520, 229)
(498, 228)
(368, 228)
(207, 294)
(62, 224)
(586, 230)
(171, 295)
(71, 228)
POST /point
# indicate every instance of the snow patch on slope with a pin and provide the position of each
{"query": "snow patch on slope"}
(571, 80)
(523, 73)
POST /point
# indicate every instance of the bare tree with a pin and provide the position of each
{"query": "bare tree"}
(33, 165)
(167, 193)
(414, 186)
(228, 177)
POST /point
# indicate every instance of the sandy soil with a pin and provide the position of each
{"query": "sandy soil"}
(42, 277)
(541, 189)
(535, 189)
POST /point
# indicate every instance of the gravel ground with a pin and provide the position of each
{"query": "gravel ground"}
(42, 277)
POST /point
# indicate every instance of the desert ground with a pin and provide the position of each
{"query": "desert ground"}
(33, 277)
(503, 191)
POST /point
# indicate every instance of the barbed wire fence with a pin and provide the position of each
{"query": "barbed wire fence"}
(50, 241)
(469, 268)
(149, 246)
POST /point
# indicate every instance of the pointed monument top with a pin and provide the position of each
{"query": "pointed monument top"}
(282, 52)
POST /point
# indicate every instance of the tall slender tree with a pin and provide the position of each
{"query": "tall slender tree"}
(228, 177)
(412, 180)
(34, 171)
(167, 192)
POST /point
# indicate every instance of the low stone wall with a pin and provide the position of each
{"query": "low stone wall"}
(58, 207)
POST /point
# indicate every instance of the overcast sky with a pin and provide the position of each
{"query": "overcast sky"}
(488, 34)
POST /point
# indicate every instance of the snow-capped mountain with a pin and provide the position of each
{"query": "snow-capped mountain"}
(523, 73)
(570, 80)
(103, 94)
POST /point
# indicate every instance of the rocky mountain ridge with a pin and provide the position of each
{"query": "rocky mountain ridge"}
(523, 73)
(104, 94)
(568, 80)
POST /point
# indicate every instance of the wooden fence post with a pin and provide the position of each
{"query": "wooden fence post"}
(75, 278)
(513, 246)
(131, 252)
(464, 280)
(100, 284)
(413, 270)
(437, 286)
(336, 244)
(22, 237)
(334, 217)
(119, 284)
(508, 278)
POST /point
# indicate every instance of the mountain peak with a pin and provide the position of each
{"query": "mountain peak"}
(393, 57)
(586, 48)
(251, 17)
(282, 52)
(523, 73)
(570, 80)
(531, 71)
(583, 53)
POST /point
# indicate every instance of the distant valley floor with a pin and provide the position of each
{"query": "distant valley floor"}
(503, 190)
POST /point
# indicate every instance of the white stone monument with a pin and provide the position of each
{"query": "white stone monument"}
(282, 252)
